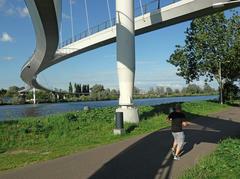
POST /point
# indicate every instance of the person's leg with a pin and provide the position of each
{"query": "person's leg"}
(178, 150)
(174, 148)
(176, 156)
(174, 145)
(180, 143)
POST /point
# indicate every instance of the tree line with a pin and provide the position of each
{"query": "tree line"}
(79, 92)
(79, 89)
(190, 89)
(96, 92)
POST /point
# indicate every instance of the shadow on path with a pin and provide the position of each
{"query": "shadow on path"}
(151, 158)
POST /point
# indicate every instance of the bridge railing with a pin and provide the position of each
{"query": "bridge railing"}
(104, 25)
(146, 8)
(140, 10)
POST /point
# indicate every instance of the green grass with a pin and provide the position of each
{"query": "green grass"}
(42, 138)
(235, 102)
(202, 108)
(223, 163)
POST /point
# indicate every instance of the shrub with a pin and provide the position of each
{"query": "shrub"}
(71, 117)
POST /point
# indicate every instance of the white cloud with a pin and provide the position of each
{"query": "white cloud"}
(5, 37)
(10, 12)
(8, 58)
(23, 12)
(10, 9)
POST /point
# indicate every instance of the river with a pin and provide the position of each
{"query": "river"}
(10, 112)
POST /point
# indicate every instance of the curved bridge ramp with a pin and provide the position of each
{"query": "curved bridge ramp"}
(46, 18)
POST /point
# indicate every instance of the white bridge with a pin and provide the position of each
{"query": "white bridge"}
(46, 18)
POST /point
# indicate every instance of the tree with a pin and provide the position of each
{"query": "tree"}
(98, 92)
(2, 93)
(79, 88)
(12, 91)
(176, 91)
(169, 91)
(136, 90)
(97, 88)
(70, 88)
(207, 88)
(43, 96)
(230, 91)
(192, 89)
(211, 49)
(87, 89)
(114, 93)
(160, 90)
(84, 89)
(75, 87)
(151, 91)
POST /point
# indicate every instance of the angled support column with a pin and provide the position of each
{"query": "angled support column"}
(126, 58)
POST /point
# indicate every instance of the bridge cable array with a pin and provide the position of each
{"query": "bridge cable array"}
(144, 8)
(42, 76)
(141, 6)
(60, 34)
(109, 13)
(71, 16)
(86, 10)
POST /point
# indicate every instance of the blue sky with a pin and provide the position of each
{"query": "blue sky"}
(17, 43)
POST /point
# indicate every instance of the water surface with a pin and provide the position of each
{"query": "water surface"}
(10, 112)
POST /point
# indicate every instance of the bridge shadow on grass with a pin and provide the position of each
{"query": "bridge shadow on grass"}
(150, 157)
(162, 108)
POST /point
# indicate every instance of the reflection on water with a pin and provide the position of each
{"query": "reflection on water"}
(30, 112)
(17, 111)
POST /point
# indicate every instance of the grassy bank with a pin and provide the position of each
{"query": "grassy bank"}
(223, 163)
(35, 139)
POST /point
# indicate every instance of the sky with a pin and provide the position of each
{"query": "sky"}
(17, 43)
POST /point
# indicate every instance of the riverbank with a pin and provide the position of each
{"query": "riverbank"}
(42, 138)
(13, 112)
(88, 99)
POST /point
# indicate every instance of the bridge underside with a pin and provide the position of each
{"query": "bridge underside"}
(46, 18)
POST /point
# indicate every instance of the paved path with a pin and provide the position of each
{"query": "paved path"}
(146, 156)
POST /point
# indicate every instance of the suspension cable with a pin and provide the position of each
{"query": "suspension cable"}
(71, 15)
(86, 9)
(109, 13)
(140, 2)
(45, 81)
(61, 39)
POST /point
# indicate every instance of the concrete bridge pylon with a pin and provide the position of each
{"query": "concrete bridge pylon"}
(126, 58)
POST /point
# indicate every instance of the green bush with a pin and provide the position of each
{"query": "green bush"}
(71, 117)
